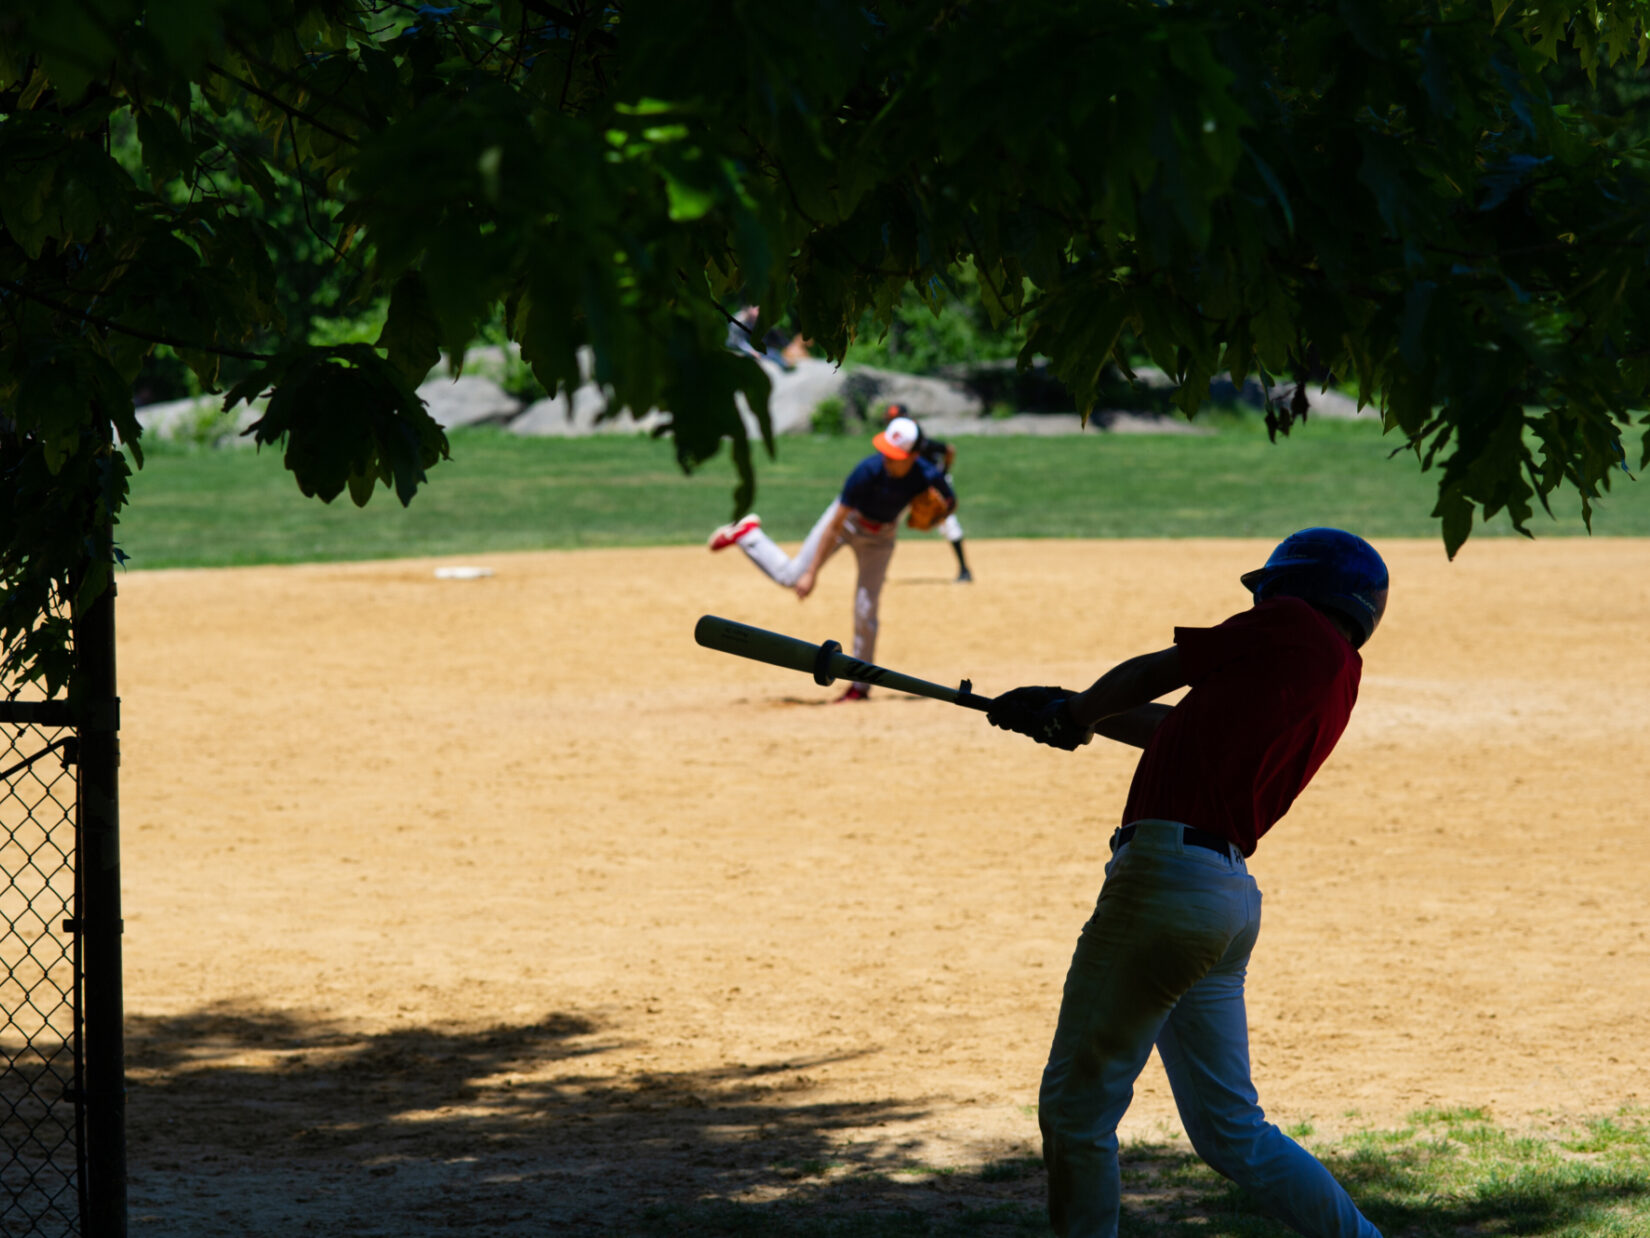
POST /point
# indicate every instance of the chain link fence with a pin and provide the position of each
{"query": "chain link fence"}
(41, 1161)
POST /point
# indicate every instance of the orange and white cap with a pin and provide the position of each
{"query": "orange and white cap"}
(899, 439)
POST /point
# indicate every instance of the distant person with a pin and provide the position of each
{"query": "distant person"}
(1162, 961)
(865, 517)
(775, 346)
(941, 455)
(797, 351)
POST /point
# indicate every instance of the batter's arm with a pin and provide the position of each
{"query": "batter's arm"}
(1119, 705)
(827, 547)
(1135, 726)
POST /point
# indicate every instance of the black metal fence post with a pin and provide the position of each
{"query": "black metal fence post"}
(99, 918)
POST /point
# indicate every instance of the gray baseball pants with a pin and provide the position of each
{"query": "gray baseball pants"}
(1162, 961)
(873, 547)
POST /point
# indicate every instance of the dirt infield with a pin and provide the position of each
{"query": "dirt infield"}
(499, 906)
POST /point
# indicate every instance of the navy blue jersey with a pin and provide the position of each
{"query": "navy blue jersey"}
(872, 493)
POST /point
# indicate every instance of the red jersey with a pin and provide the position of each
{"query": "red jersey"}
(1271, 691)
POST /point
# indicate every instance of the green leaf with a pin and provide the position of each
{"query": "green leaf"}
(32, 155)
(73, 44)
(1412, 343)
(256, 173)
(167, 154)
(459, 285)
(411, 337)
(348, 419)
(1454, 511)
(51, 403)
(186, 29)
(1273, 185)
(687, 201)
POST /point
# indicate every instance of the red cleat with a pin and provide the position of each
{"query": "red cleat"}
(729, 534)
(859, 692)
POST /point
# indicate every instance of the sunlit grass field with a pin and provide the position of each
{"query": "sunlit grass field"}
(204, 507)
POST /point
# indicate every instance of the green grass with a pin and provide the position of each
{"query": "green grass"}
(1447, 1174)
(1452, 1173)
(200, 507)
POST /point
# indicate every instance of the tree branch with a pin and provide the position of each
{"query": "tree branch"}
(820, 235)
(732, 319)
(259, 92)
(298, 82)
(572, 58)
(108, 324)
(303, 195)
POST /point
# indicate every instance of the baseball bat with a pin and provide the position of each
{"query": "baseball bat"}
(825, 662)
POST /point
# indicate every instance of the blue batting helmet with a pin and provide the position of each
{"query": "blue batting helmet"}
(1332, 569)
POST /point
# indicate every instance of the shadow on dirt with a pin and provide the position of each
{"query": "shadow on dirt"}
(263, 1123)
(289, 1125)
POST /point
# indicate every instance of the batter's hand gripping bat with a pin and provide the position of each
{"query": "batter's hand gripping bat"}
(826, 663)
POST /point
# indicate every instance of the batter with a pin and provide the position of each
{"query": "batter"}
(865, 517)
(1162, 960)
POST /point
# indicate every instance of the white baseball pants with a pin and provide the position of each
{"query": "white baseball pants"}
(873, 547)
(1162, 961)
(952, 528)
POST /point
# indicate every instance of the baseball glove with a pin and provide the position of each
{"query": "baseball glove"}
(928, 509)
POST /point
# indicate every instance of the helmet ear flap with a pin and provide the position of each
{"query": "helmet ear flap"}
(1356, 629)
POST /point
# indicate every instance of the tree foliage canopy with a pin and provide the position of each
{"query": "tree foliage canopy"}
(1402, 193)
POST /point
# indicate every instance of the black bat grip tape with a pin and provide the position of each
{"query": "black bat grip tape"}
(822, 664)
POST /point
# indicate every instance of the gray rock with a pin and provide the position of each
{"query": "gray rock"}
(200, 419)
(625, 423)
(494, 361)
(1320, 403)
(1126, 422)
(869, 389)
(1002, 382)
(1151, 377)
(468, 401)
(544, 419)
(503, 364)
(1329, 403)
(1100, 422)
(797, 392)
(1222, 390)
(589, 403)
(559, 417)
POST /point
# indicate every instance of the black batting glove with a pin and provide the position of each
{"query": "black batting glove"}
(1055, 727)
(1016, 710)
(1039, 713)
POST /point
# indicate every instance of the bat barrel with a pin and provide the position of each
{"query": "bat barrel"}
(758, 644)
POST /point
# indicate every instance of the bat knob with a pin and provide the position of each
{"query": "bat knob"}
(822, 664)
